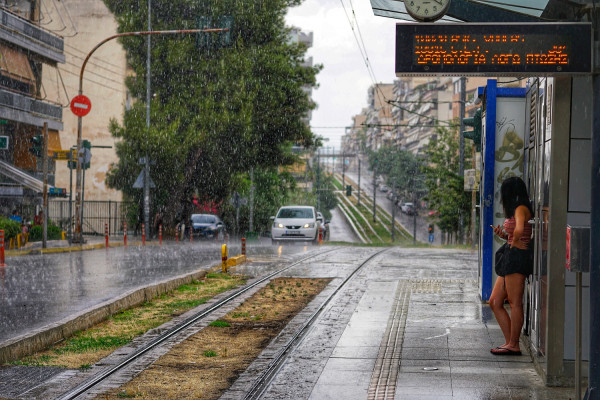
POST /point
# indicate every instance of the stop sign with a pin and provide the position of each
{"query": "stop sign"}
(81, 105)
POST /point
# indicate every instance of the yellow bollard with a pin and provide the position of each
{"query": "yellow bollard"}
(224, 258)
(19, 240)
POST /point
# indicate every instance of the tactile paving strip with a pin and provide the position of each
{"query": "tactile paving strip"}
(385, 372)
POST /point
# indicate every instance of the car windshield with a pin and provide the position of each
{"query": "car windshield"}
(203, 219)
(295, 213)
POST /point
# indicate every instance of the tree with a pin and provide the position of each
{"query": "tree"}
(445, 186)
(402, 170)
(215, 113)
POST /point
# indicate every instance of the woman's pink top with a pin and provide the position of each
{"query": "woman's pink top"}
(509, 228)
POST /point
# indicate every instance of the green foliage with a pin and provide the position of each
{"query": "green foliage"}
(446, 192)
(401, 169)
(220, 324)
(36, 231)
(214, 113)
(11, 228)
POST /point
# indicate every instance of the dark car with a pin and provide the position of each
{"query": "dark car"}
(206, 226)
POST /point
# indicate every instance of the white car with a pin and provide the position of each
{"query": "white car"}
(295, 223)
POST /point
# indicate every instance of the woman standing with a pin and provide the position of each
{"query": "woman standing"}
(516, 264)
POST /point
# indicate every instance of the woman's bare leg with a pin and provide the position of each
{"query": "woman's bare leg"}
(497, 298)
(515, 284)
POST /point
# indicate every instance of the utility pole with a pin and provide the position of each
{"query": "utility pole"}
(45, 186)
(251, 217)
(358, 203)
(374, 193)
(393, 207)
(463, 100)
(343, 170)
(148, 98)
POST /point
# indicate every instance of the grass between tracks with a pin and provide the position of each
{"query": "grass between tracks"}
(207, 363)
(87, 347)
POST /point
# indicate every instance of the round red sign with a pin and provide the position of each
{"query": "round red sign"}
(81, 105)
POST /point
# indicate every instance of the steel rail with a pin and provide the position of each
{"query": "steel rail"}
(262, 383)
(96, 379)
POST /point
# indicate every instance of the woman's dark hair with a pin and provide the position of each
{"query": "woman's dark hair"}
(513, 193)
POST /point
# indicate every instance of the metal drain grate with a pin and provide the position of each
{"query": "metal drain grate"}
(385, 373)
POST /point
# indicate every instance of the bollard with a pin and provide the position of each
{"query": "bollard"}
(320, 235)
(243, 246)
(106, 234)
(191, 234)
(143, 234)
(2, 264)
(177, 234)
(224, 258)
(160, 235)
(124, 233)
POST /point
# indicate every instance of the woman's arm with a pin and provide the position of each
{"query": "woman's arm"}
(522, 215)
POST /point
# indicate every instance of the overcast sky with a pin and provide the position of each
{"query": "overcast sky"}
(344, 80)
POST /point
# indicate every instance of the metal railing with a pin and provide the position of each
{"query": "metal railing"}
(95, 215)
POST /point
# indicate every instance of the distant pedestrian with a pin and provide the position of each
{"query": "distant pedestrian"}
(16, 217)
(516, 264)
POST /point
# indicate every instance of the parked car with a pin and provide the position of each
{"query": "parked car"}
(324, 223)
(383, 188)
(206, 226)
(295, 223)
(408, 209)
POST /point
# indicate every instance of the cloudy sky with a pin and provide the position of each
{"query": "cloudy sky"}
(344, 79)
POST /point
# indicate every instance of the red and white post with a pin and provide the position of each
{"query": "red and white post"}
(106, 234)
(320, 234)
(243, 246)
(160, 235)
(143, 234)
(2, 264)
(124, 233)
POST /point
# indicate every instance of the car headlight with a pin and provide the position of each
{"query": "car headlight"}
(278, 225)
(309, 225)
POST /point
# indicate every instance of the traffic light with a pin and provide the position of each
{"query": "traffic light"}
(36, 145)
(348, 190)
(430, 229)
(475, 134)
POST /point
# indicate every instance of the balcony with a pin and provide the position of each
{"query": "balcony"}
(22, 33)
(28, 110)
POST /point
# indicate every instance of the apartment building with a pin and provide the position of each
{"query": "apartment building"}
(27, 50)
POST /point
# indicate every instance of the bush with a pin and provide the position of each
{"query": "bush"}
(11, 228)
(35, 233)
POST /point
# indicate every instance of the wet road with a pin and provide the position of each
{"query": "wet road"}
(38, 290)
(339, 229)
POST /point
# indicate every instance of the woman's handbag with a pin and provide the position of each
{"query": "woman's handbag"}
(499, 258)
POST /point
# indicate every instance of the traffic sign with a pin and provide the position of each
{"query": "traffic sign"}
(3, 142)
(65, 155)
(81, 105)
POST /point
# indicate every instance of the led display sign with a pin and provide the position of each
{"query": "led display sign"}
(507, 49)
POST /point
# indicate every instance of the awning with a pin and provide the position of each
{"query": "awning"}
(15, 64)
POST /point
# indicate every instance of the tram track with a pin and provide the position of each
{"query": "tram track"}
(263, 381)
(155, 343)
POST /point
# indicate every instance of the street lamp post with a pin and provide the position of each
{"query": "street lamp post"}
(78, 187)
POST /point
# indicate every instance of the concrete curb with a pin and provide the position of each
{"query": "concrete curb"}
(46, 336)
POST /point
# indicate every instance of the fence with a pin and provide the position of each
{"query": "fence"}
(95, 215)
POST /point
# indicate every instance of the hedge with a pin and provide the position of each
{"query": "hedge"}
(35, 233)
(11, 228)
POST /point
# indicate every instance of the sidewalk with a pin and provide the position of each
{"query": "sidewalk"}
(427, 339)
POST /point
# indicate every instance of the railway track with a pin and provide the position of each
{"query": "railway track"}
(102, 376)
(263, 381)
